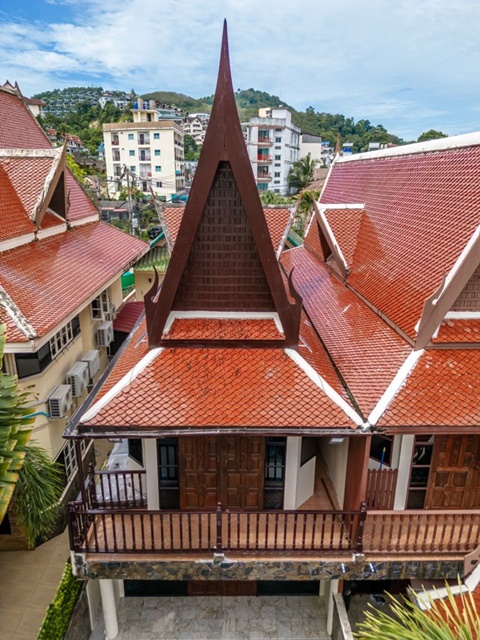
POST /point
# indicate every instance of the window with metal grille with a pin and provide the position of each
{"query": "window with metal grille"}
(168, 477)
(274, 473)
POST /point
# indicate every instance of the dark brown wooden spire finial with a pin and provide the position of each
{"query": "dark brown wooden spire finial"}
(223, 259)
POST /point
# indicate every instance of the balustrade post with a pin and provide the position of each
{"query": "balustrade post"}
(218, 547)
(81, 475)
(361, 525)
(91, 484)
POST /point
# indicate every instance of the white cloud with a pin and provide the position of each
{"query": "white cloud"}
(341, 54)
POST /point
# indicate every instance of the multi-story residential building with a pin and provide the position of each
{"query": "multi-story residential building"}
(273, 143)
(301, 419)
(194, 127)
(60, 270)
(150, 149)
(312, 145)
(120, 101)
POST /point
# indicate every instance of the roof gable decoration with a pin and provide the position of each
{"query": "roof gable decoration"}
(222, 259)
(329, 243)
(52, 192)
(438, 306)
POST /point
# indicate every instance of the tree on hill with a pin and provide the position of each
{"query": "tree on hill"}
(192, 151)
(431, 134)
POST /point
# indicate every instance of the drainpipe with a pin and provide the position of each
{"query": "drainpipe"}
(39, 413)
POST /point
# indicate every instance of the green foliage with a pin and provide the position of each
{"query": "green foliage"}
(431, 134)
(270, 197)
(445, 620)
(305, 200)
(15, 431)
(180, 100)
(37, 493)
(79, 173)
(59, 612)
(192, 150)
(301, 174)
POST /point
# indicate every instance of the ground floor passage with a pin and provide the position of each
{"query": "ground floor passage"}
(222, 617)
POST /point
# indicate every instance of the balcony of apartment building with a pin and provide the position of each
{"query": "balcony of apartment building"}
(263, 175)
(143, 138)
(264, 139)
(145, 171)
(115, 140)
(144, 155)
(262, 509)
(116, 155)
(264, 158)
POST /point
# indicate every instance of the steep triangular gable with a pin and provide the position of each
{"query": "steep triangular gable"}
(223, 258)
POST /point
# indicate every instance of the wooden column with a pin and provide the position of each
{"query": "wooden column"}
(357, 472)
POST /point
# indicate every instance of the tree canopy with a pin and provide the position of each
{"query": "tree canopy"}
(431, 134)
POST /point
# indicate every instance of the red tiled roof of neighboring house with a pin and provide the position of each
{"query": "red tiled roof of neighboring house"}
(128, 315)
(14, 220)
(223, 329)
(277, 221)
(345, 225)
(13, 332)
(28, 176)
(49, 279)
(36, 101)
(18, 127)
(442, 389)
(367, 352)
(312, 239)
(201, 388)
(420, 212)
(458, 330)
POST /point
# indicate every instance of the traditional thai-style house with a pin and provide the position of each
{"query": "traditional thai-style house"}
(304, 419)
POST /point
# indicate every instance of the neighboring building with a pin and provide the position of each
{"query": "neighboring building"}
(273, 143)
(312, 145)
(61, 102)
(151, 149)
(120, 101)
(194, 127)
(347, 148)
(301, 419)
(60, 270)
(72, 143)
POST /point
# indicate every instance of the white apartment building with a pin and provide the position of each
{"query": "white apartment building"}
(150, 148)
(311, 145)
(194, 127)
(273, 144)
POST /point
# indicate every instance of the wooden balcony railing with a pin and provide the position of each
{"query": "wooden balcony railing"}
(112, 517)
(381, 486)
(421, 531)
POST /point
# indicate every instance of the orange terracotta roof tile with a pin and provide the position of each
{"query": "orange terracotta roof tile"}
(80, 204)
(50, 220)
(127, 316)
(420, 212)
(443, 389)
(366, 351)
(312, 239)
(201, 388)
(51, 278)
(277, 221)
(13, 332)
(18, 127)
(223, 329)
(345, 225)
(14, 220)
(458, 331)
(28, 176)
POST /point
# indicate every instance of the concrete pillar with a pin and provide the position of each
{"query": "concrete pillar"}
(109, 609)
(333, 590)
(292, 463)
(403, 478)
(151, 467)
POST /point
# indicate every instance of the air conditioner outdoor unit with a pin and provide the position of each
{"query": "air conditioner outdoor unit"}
(92, 358)
(60, 401)
(105, 334)
(78, 378)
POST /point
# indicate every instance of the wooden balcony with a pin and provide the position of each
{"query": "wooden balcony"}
(112, 518)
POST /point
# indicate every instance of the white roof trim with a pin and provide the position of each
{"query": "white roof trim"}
(395, 385)
(49, 152)
(470, 585)
(463, 315)
(284, 237)
(337, 252)
(17, 241)
(326, 207)
(83, 221)
(442, 144)
(57, 159)
(16, 316)
(127, 379)
(461, 258)
(326, 388)
(224, 315)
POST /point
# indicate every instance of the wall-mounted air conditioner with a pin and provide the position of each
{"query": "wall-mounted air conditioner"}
(60, 401)
(78, 378)
(105, 334)
(92, 358)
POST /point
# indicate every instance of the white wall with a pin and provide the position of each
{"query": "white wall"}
(403, 478)
(336, 458)
(299, 481)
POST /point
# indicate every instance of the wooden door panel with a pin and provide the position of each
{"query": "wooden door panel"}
(243, 472)
(454, 480)
(198, 472)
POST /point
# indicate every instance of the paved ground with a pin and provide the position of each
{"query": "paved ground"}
(225, 618)
(29, 581)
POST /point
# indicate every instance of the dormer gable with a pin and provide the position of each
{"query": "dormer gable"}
(223, 260)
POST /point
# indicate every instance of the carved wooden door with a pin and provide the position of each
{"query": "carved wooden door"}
(198, 461)
(455, 473)
(242, 472)
(240, 465)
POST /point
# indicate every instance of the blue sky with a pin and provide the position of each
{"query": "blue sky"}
(410, 65)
